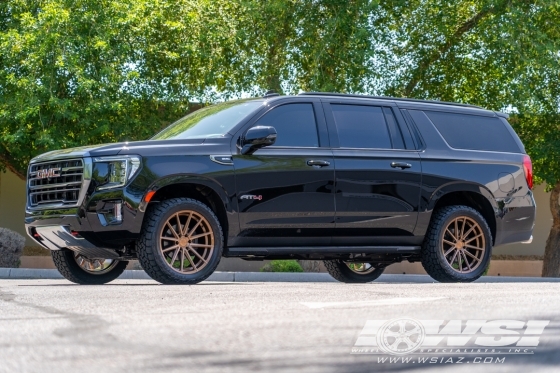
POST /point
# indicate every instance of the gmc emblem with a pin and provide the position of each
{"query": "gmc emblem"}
(251, 196)
(48, 173)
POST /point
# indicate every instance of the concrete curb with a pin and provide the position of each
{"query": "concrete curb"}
(52, 274)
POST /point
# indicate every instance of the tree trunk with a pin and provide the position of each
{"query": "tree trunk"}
(551, 263)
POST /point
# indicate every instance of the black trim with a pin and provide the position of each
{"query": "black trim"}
(386, 98)
(271, 251)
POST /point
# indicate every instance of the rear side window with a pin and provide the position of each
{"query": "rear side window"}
(294, 123)
(473, 132)
(361, 126)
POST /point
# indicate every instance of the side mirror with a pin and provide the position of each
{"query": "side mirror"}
(256, 138)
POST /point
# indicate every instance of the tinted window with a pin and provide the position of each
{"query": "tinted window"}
(473, 132)
(295, 124)
(361, 127)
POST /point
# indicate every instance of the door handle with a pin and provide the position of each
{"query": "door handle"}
(401, 165)
(318, 163)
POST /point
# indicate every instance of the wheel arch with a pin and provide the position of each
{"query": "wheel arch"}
(469, 194)
(205, 190)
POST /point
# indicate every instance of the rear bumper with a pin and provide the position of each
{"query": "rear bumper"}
(515, 219)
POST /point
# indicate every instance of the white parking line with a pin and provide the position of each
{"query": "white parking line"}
(368, 303)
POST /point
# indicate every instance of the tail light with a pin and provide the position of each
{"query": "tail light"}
(528, 169)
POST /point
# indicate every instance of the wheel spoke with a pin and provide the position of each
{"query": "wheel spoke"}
(471, 255)
(463, 228)
(456, 230)
(474, 238)
(172, 230)
(192, 263)
(469, 231)
(201, 235)
(169, 248)
(178, 223)
(453, 258)
(186, 227)
(460, 261)
(201, 245)
(449, 242)
(465, 258)
(175, 256)
(182, 258)
(195, 226)
(451, 233)
(197, 254)
(169, 239)
(450, 250)
(474, 247)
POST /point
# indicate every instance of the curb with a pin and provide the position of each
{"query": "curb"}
(53, 274)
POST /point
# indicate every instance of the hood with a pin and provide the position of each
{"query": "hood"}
(147, 147)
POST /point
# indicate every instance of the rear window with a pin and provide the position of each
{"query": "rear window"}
(473, 132)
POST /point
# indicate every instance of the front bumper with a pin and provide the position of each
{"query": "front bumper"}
(56, 237)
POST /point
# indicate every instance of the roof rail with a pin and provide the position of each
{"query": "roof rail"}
(271, 93)
(387, 98)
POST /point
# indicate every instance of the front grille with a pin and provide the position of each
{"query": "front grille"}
(55, 183)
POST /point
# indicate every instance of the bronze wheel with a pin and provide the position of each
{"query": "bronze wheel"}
(463, 244)
(187, 241)
(353, 272)
(458, 245)
(360, 268)
(95, 266)
(181, 242)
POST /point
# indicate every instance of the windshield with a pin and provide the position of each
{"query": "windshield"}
(212, 121)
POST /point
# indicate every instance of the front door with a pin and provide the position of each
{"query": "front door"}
(285, 191)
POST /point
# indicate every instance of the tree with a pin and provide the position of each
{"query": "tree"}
(76, 72)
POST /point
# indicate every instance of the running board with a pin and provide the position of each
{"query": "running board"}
(270, 251)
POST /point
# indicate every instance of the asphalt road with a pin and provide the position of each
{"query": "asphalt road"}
(140, 326)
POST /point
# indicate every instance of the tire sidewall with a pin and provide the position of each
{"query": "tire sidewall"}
(218, 242)
(353, 277)
(465, 277)
(72, 271)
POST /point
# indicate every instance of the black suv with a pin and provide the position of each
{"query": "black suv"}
(359, 182)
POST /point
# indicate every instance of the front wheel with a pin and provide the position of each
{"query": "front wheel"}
(181, 242)
(458, 245)
(353, 273)
(81, 270)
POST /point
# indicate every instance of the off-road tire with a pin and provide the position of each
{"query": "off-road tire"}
(68, 267)
(340, 271)
(147, 247)
(433, 260)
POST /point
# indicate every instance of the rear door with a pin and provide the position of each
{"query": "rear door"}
(378, 174)
(285, 191)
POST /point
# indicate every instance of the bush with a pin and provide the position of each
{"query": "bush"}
(282, 266)
(11, 248)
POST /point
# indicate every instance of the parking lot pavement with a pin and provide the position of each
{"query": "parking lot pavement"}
(141, 326)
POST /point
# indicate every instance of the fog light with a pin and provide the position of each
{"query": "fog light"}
(111, 213)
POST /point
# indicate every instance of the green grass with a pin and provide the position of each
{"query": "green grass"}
(282, 266)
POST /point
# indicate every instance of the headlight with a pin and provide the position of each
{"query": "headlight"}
(114, 172)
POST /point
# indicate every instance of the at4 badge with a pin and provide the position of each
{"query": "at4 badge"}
(251, 196)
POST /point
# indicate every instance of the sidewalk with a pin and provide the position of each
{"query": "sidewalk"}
(36, 274)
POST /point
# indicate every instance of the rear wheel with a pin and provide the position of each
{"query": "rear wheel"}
(353, 273)
(181, 242)
(81, 270)
(458, 245)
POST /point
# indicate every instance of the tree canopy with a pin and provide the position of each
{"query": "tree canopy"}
(75, 72)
